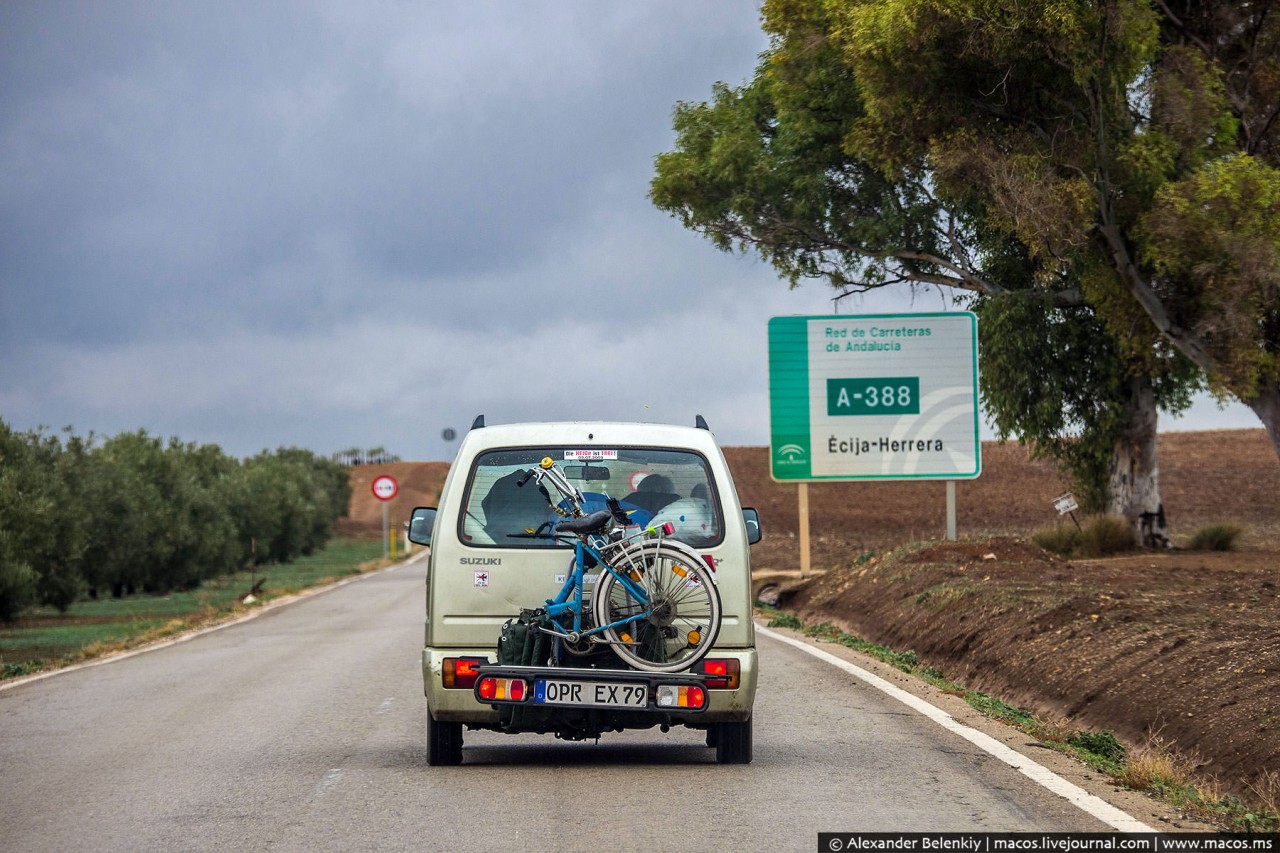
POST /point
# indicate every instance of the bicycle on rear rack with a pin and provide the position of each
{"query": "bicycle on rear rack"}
(655, 601)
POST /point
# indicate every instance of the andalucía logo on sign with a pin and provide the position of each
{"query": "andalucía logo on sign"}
(790, 454)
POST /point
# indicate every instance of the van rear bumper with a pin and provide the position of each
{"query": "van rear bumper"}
(459, 704)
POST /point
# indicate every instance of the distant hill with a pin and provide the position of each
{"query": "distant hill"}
(420, 484)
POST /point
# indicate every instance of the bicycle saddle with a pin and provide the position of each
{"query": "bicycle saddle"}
(594, 523)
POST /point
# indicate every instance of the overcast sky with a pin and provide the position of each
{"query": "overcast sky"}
(338, 224)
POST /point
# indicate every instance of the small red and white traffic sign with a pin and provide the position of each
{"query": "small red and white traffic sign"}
(385, 487)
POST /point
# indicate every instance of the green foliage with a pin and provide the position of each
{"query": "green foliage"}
(28, 532)
(827, 165)
(17, 670)
(133, 513)
(999, 709)
(1136, 137)
(1102, 744)
(17, 589)
(1214, 241)
(786, 620)
(1216, 537)
(765, 167)
(1071, 409)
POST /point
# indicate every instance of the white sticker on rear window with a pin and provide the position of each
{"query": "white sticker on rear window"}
(593, 455)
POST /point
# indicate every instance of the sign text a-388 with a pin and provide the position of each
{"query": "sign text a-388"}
(898, 395)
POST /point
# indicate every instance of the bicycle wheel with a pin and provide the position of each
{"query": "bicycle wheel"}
(677, 625)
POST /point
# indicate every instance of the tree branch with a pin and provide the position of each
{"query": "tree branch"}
(1182, 28)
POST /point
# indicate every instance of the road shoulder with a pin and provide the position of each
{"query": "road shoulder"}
(1156, 815)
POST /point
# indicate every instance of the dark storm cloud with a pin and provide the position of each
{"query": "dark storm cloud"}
(224, 220)
(281, 166)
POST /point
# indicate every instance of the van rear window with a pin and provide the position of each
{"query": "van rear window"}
(654, 485)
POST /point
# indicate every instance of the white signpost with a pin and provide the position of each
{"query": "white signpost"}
(874, 397)
(385, 488)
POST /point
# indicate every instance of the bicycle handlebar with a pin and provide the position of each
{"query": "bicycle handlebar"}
(547, 468)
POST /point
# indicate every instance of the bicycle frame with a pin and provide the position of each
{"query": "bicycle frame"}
(569, 599)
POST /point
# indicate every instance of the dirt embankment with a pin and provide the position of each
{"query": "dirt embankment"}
(1182, 645)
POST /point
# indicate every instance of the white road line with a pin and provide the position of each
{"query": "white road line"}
(1081, 798)
(329, 782)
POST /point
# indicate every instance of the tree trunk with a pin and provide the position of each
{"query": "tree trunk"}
(1267, 407)
(1133, 489)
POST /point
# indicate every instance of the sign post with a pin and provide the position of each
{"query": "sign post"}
(874, 397)
(385, 488)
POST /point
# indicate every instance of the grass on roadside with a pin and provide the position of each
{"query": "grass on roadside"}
(1216, 537)
(1155, 768)
(1100, 536)
(44, 638)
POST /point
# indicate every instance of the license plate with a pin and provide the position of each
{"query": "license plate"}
(599, 694)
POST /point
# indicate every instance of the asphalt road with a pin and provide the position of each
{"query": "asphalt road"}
(304, 730)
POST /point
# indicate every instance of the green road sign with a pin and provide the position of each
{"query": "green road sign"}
(874, 397)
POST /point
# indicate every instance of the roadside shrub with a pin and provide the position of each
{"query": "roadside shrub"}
(1061, 539)
(20, 668)
(1216, 537)
(1102, 744)
(1105, 535)
(1099, 537)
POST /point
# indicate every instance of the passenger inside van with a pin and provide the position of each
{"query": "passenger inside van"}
(653, 493)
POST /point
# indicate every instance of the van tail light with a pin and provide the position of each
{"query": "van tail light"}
(689, 696)
(722, 673)
(461, 673)
(502, 689)
(710, 561)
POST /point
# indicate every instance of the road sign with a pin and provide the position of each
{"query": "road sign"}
(385, 487)
(874, 397)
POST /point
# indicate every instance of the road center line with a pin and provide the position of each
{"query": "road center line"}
(329, 782)
(1089, 803)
